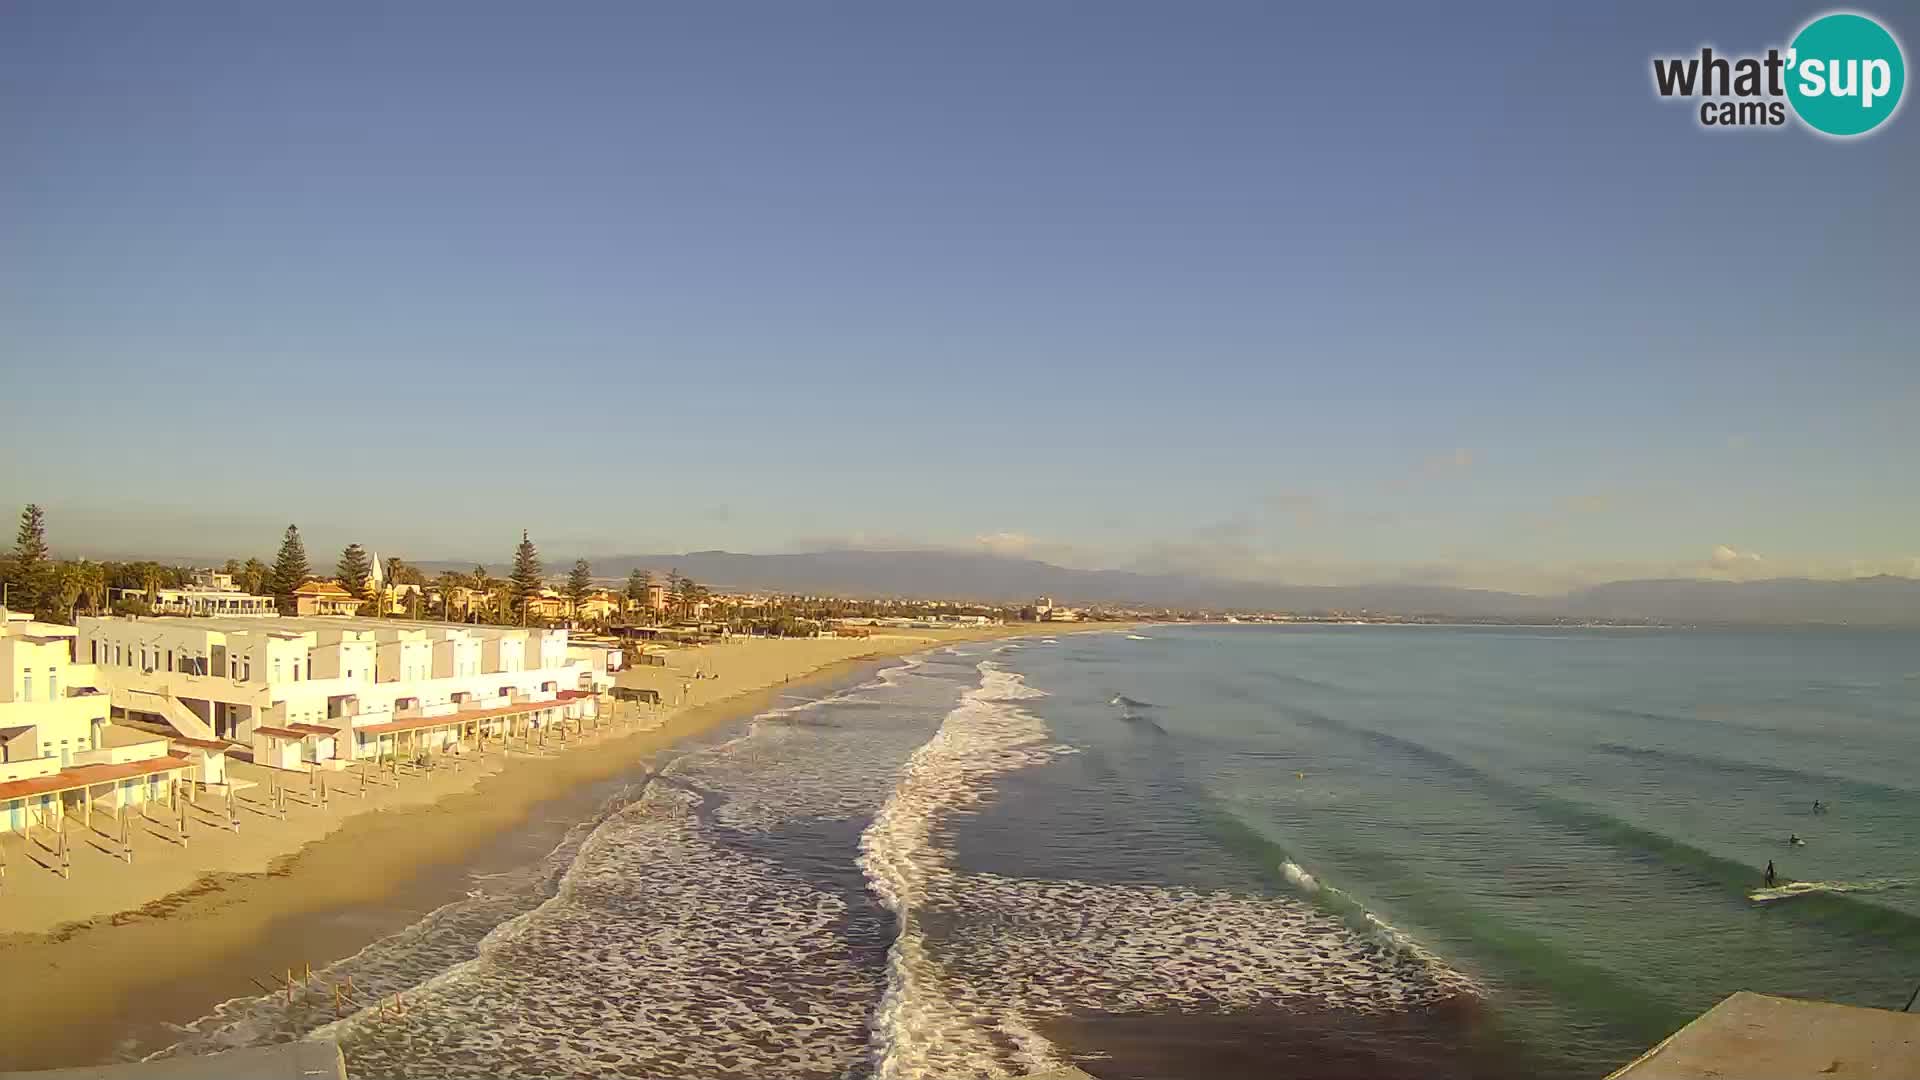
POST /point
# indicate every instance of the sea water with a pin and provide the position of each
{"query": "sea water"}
(1349, 850)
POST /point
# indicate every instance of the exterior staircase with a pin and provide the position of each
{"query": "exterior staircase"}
(168, 708)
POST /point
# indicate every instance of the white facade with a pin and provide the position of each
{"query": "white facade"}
(206, 596)
(223, 678)
(50, 710)
(58, 752)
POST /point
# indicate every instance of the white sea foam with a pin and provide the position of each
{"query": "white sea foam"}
(1299, 878)
(713, 927)
(982, 959)
(918, 1030)
(1138, 637)
(665, 953)
(446, 937)
(743, 967)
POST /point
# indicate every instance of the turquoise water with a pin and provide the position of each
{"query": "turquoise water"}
(1572, 818)
(1338, 853)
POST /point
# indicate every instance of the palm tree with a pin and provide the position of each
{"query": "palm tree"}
(67, 581)
(253, 575)
(93, 585)
(481, 585)
(447, 582)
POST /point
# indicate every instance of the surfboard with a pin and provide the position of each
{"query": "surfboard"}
(1807, 888)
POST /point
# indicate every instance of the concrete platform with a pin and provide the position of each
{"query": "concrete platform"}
(315, 1060)
(1753, 1035)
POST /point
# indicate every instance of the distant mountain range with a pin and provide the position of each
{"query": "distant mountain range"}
(1874, 601)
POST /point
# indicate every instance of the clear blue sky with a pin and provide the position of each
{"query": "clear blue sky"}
(1375, 291)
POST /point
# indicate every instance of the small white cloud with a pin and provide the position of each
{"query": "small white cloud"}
(1005, 543)
(1726, 557)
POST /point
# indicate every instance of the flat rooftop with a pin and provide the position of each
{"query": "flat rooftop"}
(1783, 1039)
(302, 624)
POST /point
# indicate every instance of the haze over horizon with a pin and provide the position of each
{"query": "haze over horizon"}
(1162, 290)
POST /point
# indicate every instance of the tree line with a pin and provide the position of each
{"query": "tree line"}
(56, 589)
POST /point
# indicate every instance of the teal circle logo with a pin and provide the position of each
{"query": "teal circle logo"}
(1845, 74)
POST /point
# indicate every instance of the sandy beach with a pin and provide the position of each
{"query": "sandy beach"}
(98, 966)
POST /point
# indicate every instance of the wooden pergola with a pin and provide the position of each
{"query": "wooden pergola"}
(85, 779)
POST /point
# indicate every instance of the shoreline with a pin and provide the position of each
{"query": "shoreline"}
(114, 982)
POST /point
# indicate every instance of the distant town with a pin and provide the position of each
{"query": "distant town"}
(365, 583)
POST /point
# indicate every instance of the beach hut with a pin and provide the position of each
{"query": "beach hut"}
(280, 748)
(209, 757)
(321, 741)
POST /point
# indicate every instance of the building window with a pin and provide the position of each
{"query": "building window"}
(26, 693)
(53, 685)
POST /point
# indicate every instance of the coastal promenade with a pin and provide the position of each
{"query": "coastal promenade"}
(232, 911)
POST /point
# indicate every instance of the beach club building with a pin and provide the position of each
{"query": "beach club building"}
(310, 691)
(211, 593)
(58, 752)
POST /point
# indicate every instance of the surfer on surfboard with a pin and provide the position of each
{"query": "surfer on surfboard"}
(1770, 877)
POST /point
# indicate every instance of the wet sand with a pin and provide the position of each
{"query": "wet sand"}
(108, 987)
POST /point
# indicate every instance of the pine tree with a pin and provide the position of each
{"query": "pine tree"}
(526, 574)
(28, 568)
(354, 569)
(290, 569)
(637, 583)
(579, 585)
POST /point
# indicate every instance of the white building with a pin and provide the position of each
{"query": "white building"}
(211, 593)
(58, 753)
(307, 690)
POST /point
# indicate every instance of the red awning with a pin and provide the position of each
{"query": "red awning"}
(84, 776)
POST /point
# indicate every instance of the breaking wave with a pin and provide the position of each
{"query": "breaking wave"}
(983, 960)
